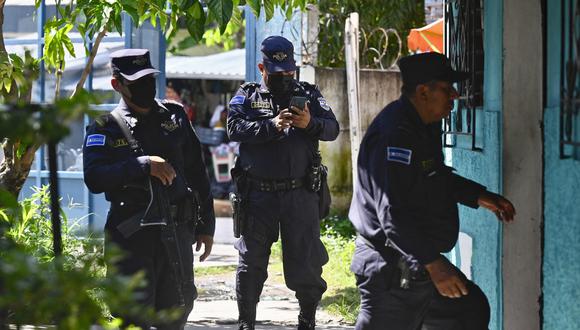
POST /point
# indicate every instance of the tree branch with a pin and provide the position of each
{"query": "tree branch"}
(89, 65)
(2, 46)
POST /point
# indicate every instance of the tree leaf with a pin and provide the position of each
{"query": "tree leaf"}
(256, 6)
(222, 11)
(7, 84)
(7, 200)
(269, 9)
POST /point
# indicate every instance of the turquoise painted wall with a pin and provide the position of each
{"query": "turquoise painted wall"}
(561, 265)
(485, 167)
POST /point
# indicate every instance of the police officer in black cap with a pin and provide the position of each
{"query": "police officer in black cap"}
(146, 158)
(279, 144)
(404, 209)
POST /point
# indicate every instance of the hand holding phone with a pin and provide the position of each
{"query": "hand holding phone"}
(298, 102)
(300, 117)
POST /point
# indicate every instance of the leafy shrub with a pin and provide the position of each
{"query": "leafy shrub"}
(342, 297)
(70, 292)
(336, 225)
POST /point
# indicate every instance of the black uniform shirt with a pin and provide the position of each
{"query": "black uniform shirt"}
(110, 166)
(266, 152)
(405, 194)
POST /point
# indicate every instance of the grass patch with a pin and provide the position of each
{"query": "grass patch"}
(342, 296)
(215, 270)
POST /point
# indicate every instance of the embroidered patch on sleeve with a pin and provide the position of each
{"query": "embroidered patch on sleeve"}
(238, 99)
(323, 103)
(399, 155)
(95, 140)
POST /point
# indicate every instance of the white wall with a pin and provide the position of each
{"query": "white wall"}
(522, 162)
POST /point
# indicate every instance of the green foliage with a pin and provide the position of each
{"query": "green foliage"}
(342, 296)
(70, 292)
(216, 270)
(36, 124)
(16, 74)
(337, 226)
(31, 228)
(401, 15)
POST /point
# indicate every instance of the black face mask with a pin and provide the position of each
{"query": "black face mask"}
(143, 92)
(280, 85)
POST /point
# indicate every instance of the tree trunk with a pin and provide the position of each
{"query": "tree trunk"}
(14, 168)
(2, 46)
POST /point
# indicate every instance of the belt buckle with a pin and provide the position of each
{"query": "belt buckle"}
(280, 185)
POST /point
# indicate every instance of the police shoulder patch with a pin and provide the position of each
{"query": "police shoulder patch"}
(95, 140)
(399, 155)
(323, 103)
(238, 99)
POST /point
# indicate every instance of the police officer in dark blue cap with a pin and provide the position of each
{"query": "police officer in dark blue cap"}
(146, 158)
(279, 148)
(404, 209)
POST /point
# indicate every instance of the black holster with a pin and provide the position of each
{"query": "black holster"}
(317, 182)
(238, 198)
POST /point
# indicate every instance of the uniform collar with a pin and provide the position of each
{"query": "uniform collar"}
(132, 117)
(413, 116)
(263, 88)
(411, 113)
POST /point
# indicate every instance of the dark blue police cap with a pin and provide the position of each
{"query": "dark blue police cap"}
(132, 64)
(278, 54)
(422, 68)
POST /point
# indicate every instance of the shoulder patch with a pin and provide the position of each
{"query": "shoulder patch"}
(323, 103)
(399, 155)
(238, 99)
(95, 140)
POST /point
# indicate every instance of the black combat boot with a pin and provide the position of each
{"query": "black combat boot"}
(247, 318)
(307, 317)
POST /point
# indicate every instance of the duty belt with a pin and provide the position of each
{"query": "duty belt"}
(275, 185)
(394, 256)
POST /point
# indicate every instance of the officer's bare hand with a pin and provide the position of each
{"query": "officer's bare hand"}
(301, 118)
(502, 208)
(447, 279)
(207, 241)
(161, 170)
(283, 120)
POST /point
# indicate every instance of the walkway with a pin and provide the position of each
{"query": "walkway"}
(216, 306)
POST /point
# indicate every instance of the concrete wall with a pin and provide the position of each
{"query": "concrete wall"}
(522, 162)
(561, 292)
(377, 89)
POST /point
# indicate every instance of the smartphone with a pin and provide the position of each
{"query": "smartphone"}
(298, 102)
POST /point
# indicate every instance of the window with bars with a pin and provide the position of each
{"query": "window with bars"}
(464, 47)
(570, 80)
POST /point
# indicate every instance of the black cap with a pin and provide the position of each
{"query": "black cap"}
(132, 64)
(278, 54)
(422, 68)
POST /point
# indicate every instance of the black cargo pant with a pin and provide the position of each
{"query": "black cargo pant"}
(385, 305)
(294, 215)
(145, 251)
